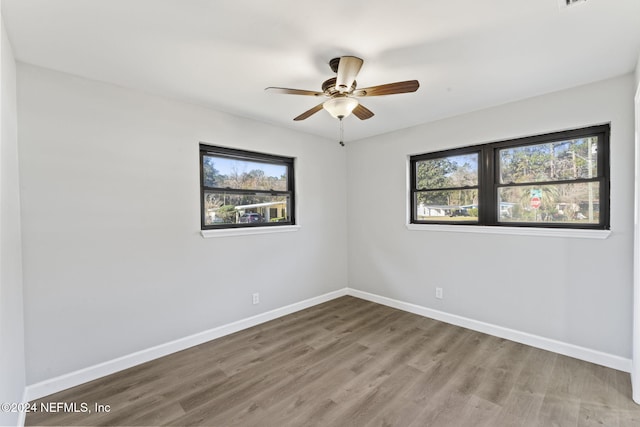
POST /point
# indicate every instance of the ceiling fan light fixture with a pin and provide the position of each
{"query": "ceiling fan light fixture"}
(340, 107)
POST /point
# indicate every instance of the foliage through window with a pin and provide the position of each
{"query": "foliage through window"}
(245, 189)
(447, 187)
(553, 180)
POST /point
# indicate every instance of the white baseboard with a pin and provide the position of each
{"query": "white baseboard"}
(582, 353)
(72, 379)
(22, 415)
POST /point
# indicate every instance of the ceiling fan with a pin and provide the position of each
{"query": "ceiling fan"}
(342, 91)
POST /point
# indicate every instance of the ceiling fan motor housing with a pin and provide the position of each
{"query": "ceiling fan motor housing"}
(329, 87)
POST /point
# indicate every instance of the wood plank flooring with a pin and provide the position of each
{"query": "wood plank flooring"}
(351, 362)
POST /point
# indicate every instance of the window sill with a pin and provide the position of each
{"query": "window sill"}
(228, 232)
(516, 231)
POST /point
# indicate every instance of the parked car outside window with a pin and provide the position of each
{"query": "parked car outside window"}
(251, 217)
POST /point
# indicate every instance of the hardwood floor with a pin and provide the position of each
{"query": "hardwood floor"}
(351, 362)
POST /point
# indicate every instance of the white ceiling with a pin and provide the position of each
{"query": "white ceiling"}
(467, 54)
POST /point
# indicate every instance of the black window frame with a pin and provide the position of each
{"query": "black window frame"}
(253, 156)
(489, 179)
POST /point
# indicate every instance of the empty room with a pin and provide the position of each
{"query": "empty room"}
(336, 213)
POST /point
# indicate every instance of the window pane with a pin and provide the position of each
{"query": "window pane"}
(222, 172)
(560, 203)
(553, 161)
(227, 207)
(447, 205)
(447, 172)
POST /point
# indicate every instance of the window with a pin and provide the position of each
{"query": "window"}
(245, 189)
(446, 187)
(558, 180)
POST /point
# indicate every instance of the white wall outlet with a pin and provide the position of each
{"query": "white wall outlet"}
(256, 298)
(439, 293)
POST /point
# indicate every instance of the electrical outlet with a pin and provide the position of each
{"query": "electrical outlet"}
(256, 298)
(439, 293)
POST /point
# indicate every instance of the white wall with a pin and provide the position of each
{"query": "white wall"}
(113, 259)
(635, 372)
(12, 365)
(638, 73)
(577, 291)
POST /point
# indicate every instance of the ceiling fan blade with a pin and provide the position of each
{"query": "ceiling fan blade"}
(363, 113)
(348, 69)
(288, 91)
(309, 113)
(389, 89)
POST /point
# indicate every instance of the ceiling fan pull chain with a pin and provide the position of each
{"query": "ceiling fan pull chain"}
(341, 132)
